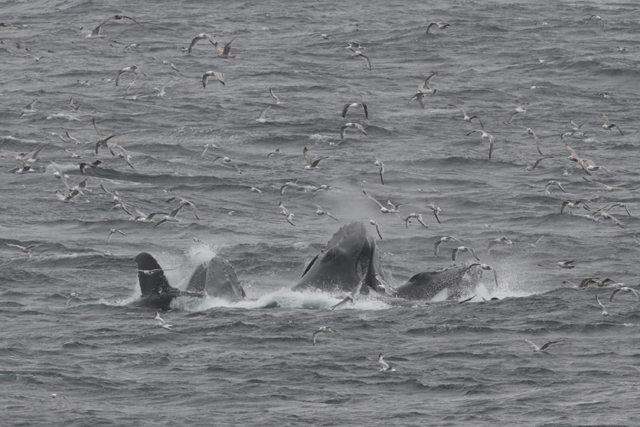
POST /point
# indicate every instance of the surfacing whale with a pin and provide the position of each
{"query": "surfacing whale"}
(352, 254)
(217, 278)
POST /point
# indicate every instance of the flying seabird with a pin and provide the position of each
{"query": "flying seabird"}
(608, 125)
(351, 297)
(319, 211)
(501, 241)
(93, 165)
(385, 366)
(561, 264)
(383, 209)
(346, 126)
(550, 184)
(228, 161)
(133, 69)
(518, 110)
(208, 74)
(288, 184)
(358, 53)
(466, 117)
(171, 217)
(575, 158)
(454, 254)
(484, 267)
(436, 210)
(26, 249)
(112, 232)
(273, 95)
(102, 140)
(224, 53)
(380, 164)
(375, 224)
(485, 135)
(544, 346)
(531, 133)
(28, 109)
(625, 289)
(441, 26)
(355, 104)
(609, 187)
(321, 330)
(443, 240)
(263, 116)
(185, 202)
(604, 310)
(311, 164)
(202, 36)
(530, 166)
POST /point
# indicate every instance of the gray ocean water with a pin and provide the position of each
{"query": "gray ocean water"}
(252, 363)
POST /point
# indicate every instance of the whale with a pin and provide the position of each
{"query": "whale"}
(352, 256)
(428, 284)
(217, 279)
(154, 286)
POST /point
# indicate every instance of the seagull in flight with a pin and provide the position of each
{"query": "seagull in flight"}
(355, 105)
(208, 74)
(625, 289)
(346, 126)
(311, 164)
(224, 53)
(604, 310)
(484, 267)
(112, 232)
(228, 161)
(319, 211)
(380, 164)
(199, 37)
(385, 366)
(466, 117)
(443, 240)
(26, 249)
(358, 53)
(273, 95)
(608, 125)
(171, 217)
(326, 329)
(530, 166)
(185, 202)
(375, 224)
(544, 346)
(102, 140)
(132, 69)
(454, 254)
(485, 135)
(441, 26)
(501, 241)
(351, 297)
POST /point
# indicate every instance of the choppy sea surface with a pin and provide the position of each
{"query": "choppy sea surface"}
(98, 359)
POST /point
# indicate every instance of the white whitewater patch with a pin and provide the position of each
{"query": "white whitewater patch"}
(282, 298)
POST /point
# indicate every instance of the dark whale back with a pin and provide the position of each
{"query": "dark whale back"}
(426, 285)
(350, 254)
(154, 286)
(218, 279)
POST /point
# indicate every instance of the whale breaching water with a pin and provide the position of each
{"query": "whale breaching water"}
(351, 259)
(216, 279)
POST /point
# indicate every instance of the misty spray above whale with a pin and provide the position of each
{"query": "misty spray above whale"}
(349, 262)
